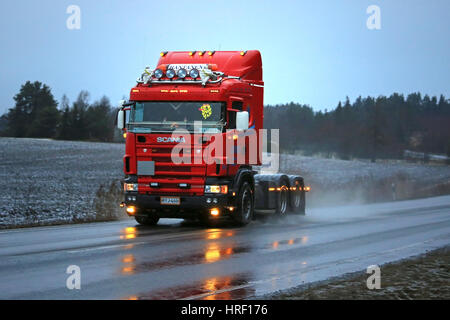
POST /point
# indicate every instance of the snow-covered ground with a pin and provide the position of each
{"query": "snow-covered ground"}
(334, 171)
(47, 181)
(336, 181)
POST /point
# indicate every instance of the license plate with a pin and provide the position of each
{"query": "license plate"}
(171, 201)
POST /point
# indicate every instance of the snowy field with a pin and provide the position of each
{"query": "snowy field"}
(336, 181)
(51, 182)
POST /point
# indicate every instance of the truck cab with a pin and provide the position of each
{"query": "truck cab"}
(193, 137)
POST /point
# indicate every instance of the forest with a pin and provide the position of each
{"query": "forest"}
(367, 128)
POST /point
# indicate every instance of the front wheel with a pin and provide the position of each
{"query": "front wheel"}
(245, 205)
(147, 220)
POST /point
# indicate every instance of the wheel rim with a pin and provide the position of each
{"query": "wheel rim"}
(246, 204)
(283, 200)
(297, 199)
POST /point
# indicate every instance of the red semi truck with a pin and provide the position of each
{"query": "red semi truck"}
(193, 141)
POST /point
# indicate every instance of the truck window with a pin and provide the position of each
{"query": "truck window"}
(169, 115)
(237, 105)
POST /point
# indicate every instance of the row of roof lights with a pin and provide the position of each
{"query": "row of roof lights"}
(181, 73)
(200, 53)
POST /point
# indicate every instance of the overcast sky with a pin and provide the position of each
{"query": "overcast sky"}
(314, 52)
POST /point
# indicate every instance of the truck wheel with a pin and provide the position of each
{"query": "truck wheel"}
(297, 197)
(147, 220)
(282, 200)
(245, 205)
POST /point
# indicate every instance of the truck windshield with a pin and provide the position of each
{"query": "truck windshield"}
(166, 116)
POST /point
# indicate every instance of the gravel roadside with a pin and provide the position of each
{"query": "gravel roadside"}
(422, 277)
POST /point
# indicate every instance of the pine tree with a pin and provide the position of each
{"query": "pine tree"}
(35, 113)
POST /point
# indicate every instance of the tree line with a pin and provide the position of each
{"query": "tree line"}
(372, 128)
(37, 114)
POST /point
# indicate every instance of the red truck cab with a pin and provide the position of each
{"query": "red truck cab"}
(193, 136)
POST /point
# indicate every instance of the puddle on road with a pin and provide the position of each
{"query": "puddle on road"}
(212, 253)
(285, 243)
(217, 288)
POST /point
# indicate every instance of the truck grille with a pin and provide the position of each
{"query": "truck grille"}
(168, 174)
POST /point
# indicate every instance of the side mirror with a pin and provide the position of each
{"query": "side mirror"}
(121, 119)
(242, 120)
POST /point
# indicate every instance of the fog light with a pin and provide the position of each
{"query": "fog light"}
(208, 200)
(158, 73)
(193, 73)
(131, 210)
(215, 200)
(214, 212)
(182, 73)
(170, 73)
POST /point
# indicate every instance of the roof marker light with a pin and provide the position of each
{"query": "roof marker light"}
(162, 54)
(201, 53)
(211, 53)
(212, 67)
(191, 53)
(243, 53)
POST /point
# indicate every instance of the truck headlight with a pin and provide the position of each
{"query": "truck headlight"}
(158, 73)
(170, 73)
(130, 187)
(193, 73)
(182, 73)
(216, 189)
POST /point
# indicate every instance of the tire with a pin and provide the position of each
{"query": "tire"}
(147, 220)
(282, 199)
(297, 197)
(245, 205)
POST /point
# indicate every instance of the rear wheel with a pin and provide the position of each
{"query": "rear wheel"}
(147, 220)
(282, 200)
(245, 205)
(297, 197)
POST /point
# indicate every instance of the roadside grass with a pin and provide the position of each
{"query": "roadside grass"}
(422, 277)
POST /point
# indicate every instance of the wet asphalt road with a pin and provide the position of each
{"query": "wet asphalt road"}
(177, 260)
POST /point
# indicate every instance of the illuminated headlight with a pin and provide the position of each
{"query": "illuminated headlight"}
(170, 73)
(216, 189)
(182, 73)
(158, 73)
(193, 73)
(130, 187)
